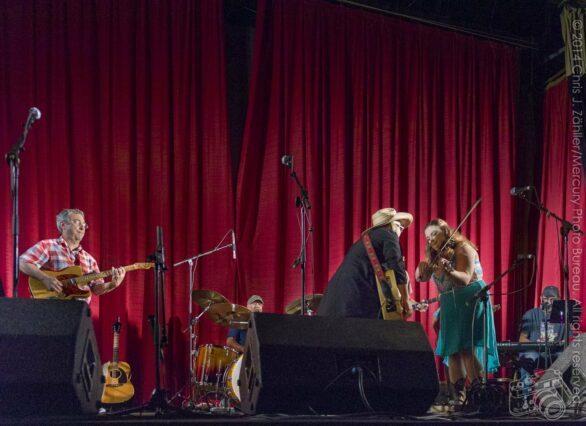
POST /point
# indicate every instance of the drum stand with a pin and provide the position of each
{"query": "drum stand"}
(193, 321)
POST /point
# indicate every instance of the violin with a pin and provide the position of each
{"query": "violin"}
(446, 251)
(426, 268)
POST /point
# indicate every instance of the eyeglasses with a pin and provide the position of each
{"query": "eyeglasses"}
(78, 222)
(398, 225)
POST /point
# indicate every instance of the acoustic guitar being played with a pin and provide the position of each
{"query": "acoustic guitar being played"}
(118, 388)
(71, 279)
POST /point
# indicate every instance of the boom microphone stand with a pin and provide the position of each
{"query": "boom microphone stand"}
(301, 202)
(565, 229)
(489, 395)
(13, 159)
(193, 321)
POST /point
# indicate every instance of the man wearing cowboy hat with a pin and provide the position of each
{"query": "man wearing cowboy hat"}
(352, 291)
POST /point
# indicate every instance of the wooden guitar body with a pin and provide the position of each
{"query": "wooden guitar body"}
(74, 282)
(70, 290)
(118, 388)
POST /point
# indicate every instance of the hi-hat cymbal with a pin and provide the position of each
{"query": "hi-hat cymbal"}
(311, 302)
(204, 298)
(229, 315)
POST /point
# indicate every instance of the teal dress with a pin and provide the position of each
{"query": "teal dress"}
(461, 320)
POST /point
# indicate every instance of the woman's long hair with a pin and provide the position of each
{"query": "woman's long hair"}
(457, 239)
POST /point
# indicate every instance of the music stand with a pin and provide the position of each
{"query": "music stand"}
(558, 309)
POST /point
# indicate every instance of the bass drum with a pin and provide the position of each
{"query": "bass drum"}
(211, 364)
(231, 379)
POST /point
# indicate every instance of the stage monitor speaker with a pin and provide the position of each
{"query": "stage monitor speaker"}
(303, 364)
(49, 360)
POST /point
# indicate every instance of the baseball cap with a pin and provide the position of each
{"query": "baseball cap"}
(551, 291)
(254, 298)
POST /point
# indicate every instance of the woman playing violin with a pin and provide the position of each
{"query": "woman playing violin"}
(453, 264)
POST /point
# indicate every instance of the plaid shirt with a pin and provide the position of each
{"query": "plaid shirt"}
(55, 255)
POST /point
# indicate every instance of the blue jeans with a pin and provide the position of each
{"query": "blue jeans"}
(531, 361)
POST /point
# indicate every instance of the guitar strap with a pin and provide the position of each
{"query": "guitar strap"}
(384, 288)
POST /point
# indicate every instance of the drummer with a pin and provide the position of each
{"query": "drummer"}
(237, 338)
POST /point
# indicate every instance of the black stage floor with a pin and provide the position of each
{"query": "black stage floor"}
(493, 407)
(192, 417)
(370, 418)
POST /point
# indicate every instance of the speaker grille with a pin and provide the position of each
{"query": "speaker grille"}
(49, 359)
(295, 364)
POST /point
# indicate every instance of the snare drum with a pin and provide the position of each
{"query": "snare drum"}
(231, 379)
(212, 362)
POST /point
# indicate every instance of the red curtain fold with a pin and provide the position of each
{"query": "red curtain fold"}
(377, 112)
(563, 192)
(133, 132)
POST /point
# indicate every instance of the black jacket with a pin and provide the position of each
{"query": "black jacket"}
(352, 290)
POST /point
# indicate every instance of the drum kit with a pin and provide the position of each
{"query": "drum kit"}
(215, 369)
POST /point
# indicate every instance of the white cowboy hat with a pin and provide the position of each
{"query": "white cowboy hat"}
(387, 215)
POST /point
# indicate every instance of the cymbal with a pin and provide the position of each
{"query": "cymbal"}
(204, 298)
(229, 315)
(311, 302)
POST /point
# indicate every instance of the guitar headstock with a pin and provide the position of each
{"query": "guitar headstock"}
(144, 265)
(116, 326)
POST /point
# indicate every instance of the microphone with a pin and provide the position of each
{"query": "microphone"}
(233, 245)
(525, 256)
(518, 190)
(35, 113)
(287, 160)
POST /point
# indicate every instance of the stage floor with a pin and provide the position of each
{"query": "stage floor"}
(189, 416)
(147, 418)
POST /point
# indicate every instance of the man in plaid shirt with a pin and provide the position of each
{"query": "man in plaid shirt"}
(66, 251)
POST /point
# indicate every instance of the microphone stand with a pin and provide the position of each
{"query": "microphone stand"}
(159, 398)
(193, 321)
(565, 228)
(13, 159)
(158, 402)
(482, 294)
(302, 202)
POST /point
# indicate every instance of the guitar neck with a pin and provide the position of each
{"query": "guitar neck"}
(115, 354)
(84, 279)
(432, 300)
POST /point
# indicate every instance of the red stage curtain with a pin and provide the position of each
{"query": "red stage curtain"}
(377, 112)
(563, 192)
(133, 132)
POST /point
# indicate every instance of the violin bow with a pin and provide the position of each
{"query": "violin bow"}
(457, 229)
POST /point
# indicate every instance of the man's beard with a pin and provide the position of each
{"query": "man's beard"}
(546, 306)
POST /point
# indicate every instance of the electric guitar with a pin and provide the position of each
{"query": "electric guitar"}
(118, 388)
(390, 298)
(71, 278)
